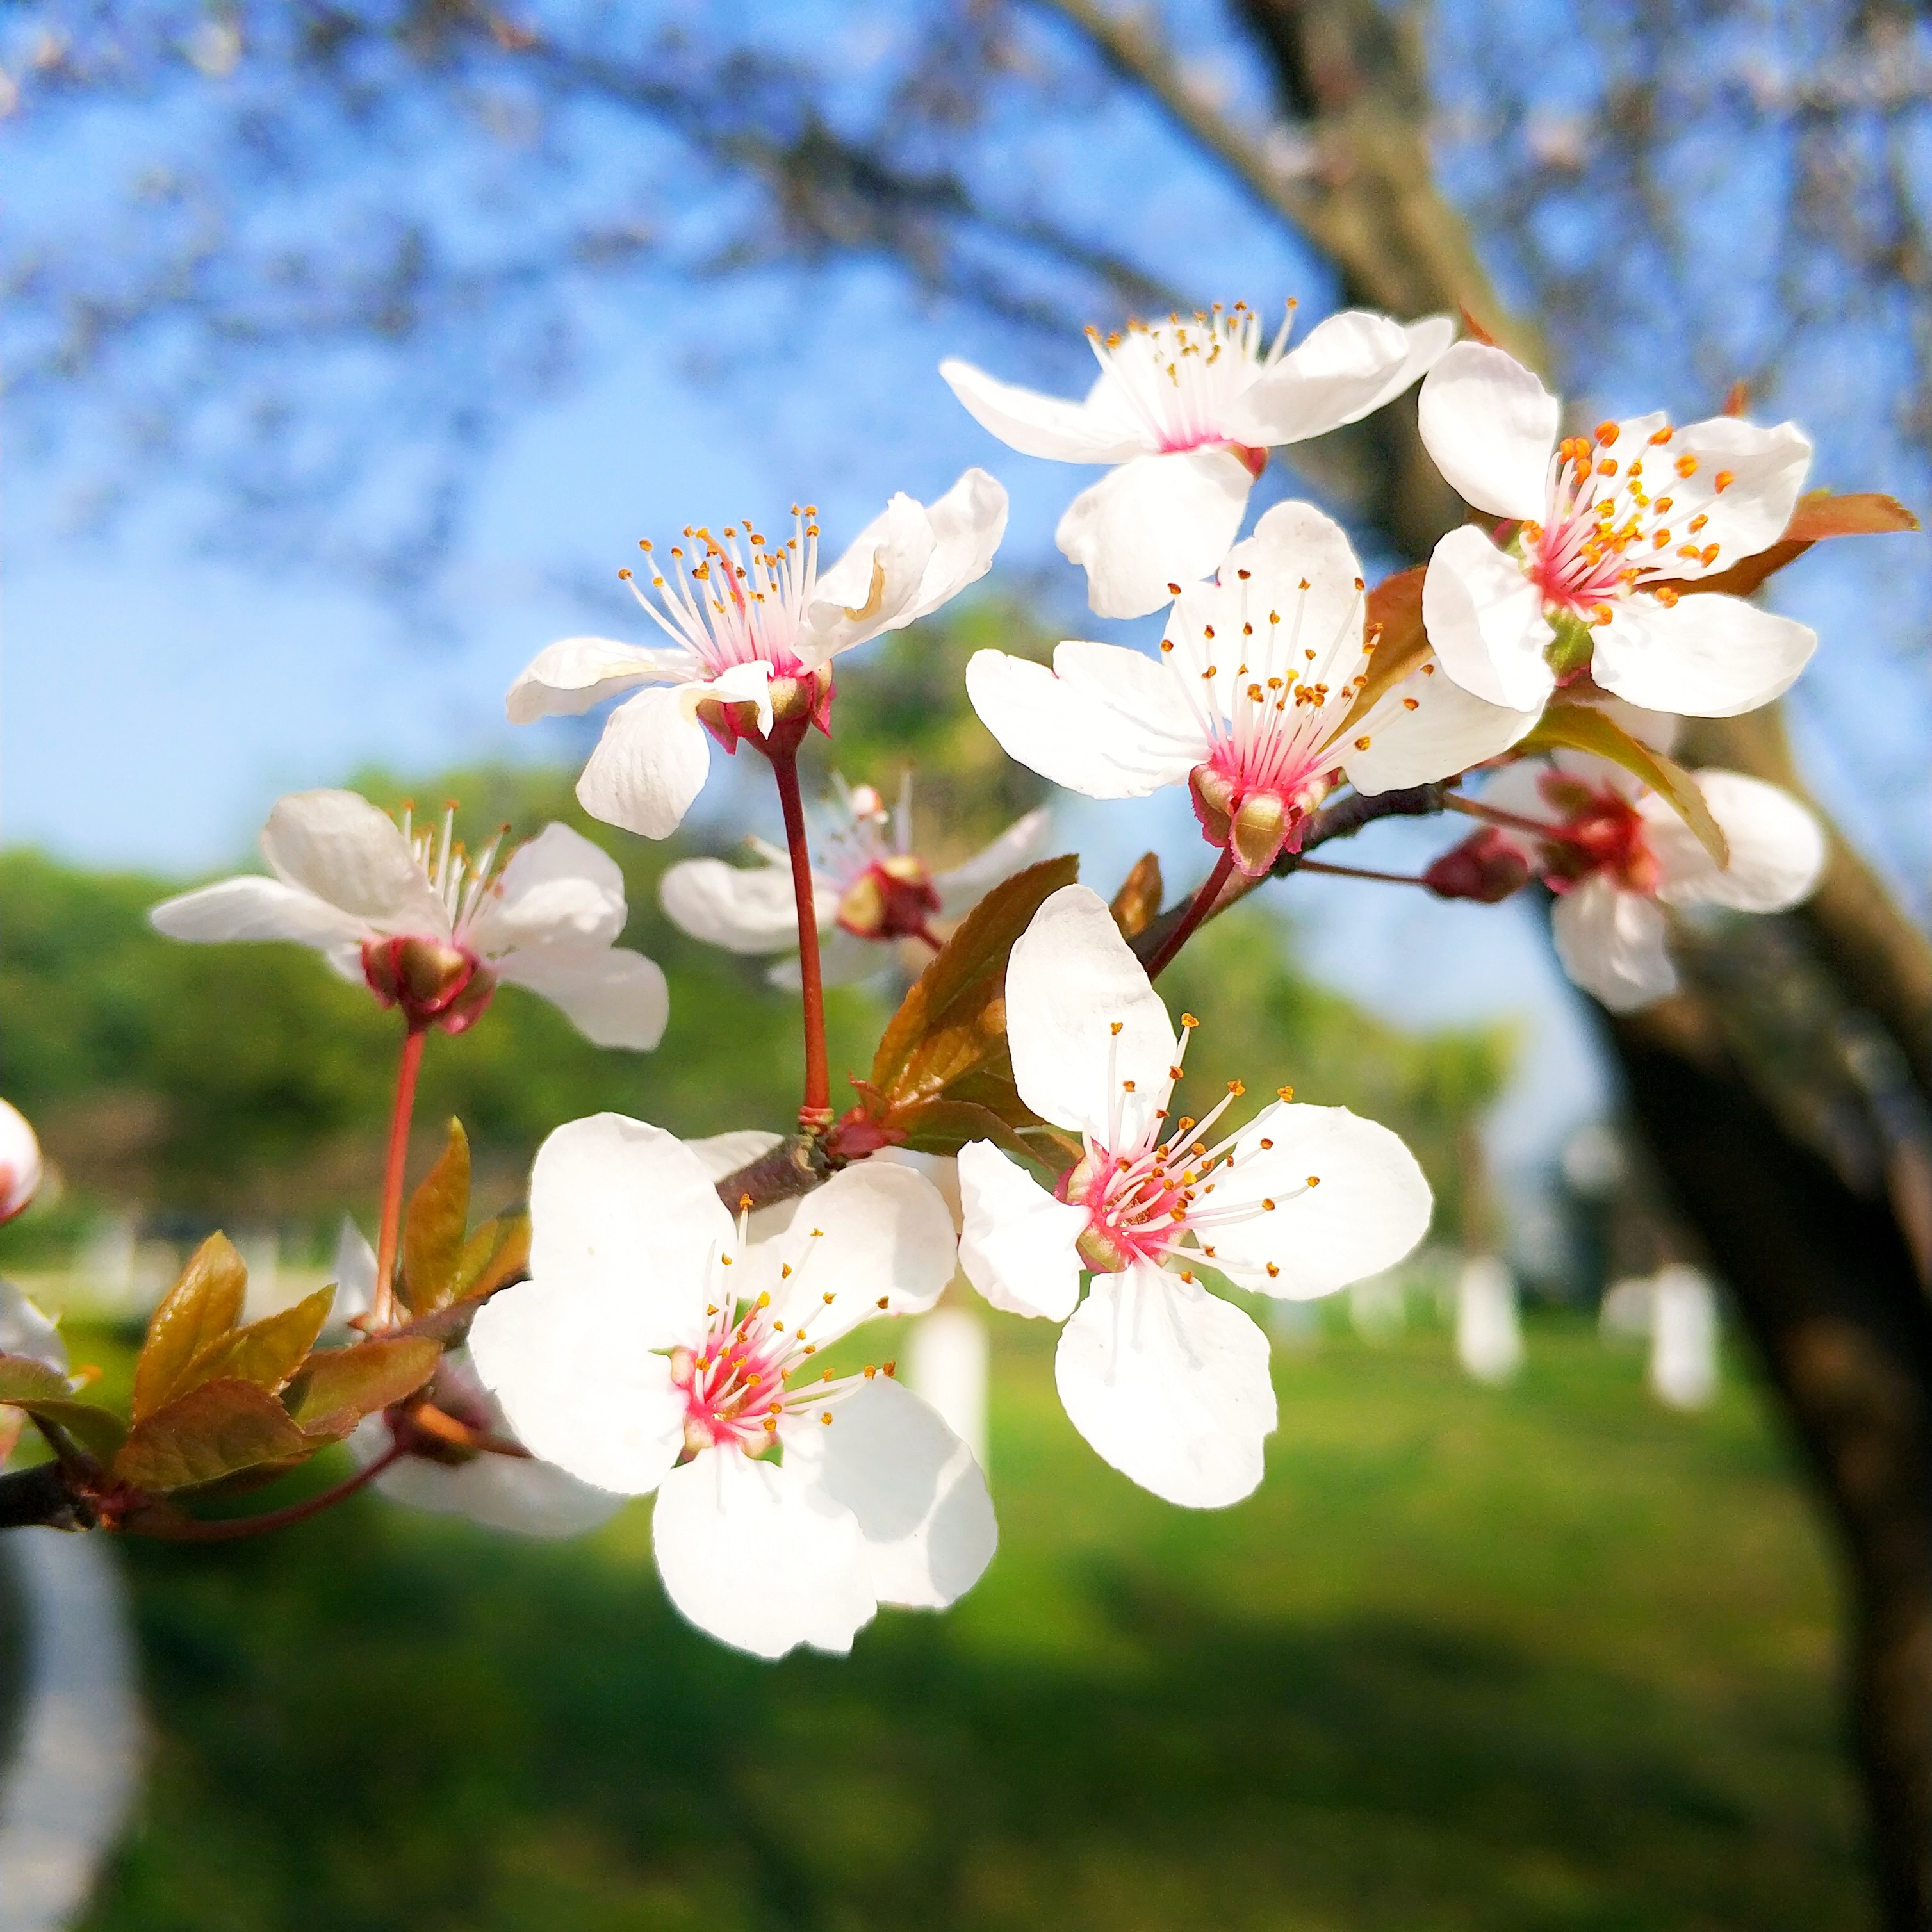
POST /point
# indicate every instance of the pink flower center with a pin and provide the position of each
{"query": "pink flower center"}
(1602, 832)
(1613, 524)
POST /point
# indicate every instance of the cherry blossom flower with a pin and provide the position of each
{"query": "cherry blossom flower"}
(1187, 411)
(654, 1348)
(1252, 703)
(433, 929)
(519, 1493)
(754, 627)
(1617, 854)
(1609, 527)
(872, 889)
(19, 1162)
(1169, 1383)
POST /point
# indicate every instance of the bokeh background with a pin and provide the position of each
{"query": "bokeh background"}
(351, 349)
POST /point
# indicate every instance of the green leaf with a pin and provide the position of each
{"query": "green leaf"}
(338, 1387)
(266, 1352)
(497, 1254)
(945, 1126)
(212, 1432)
(203, 1305)
(1582, 727)
(32, 1387)
(433, 1229)
(953, 1021)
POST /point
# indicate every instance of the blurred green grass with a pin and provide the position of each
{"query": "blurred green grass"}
(1548, 1657)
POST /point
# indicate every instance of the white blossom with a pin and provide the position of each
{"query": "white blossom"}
(751, 625)
(870, 888)
(655, 1348)
(1250, 704)
(429, 926)
(1169, 1383)
(1186, 413)
(1610, 526)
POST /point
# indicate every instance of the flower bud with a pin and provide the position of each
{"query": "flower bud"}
(19, 1162)
(1488, 866)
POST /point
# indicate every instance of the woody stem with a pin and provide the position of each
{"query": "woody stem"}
(394, 1173)
(1198, 909)
(815, 1112)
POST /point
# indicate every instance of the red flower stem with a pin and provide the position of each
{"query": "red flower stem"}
(1199, 908)
(1471, 808)
(383, 1313)
(1359, 872)
(236, 1528)
(815, 1114)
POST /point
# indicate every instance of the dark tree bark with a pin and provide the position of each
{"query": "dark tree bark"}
(1829, 1291)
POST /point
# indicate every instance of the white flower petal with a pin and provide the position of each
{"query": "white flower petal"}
(926, 1522)
(1485, 619)
(338, 846)
(876, 1238)
(968, 523)
(573, 674)
(757, 1554)
(1105, 721)
(746, 909)
(24, 1329)
(559, 888)
(1155, 521)
(613, 997)
(1776, 847)
(1016, 1242)
(1294, 543)
(252, 908)
(1347, 366)
(1370, 1208)
(747, 683)
(1170, 1385)
(1766, 469)
(1611, 943)
(1015, 848)
(648, 767)
(1490, 426)
(623, 1209)
(1450, 730)
(1707, 656)
(572, 1365)
(874, 586)
(355, 1273)
(1083, 1022)
(1048, 426)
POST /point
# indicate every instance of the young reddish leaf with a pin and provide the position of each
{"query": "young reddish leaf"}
(1821, 515)
(954, 1018)
(266, 1352)
(24, 1379)
(945, 1126)
(433, 1229)
(1138, 902)
(203, 1305)
(1395, 606)
(212, 1432)
(1582, 727)
(497, 1254)
(338, 1387)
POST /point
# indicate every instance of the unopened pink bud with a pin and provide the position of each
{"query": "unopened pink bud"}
(1488, 866)
(19, 1162)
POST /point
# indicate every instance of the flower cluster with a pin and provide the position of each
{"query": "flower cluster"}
(681, 1318)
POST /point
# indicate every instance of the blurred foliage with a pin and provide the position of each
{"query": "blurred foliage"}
(1552, 1659)
(243, 1082)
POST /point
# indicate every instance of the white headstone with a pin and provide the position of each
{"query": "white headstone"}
(1489, 1332)
(1683, 1337)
